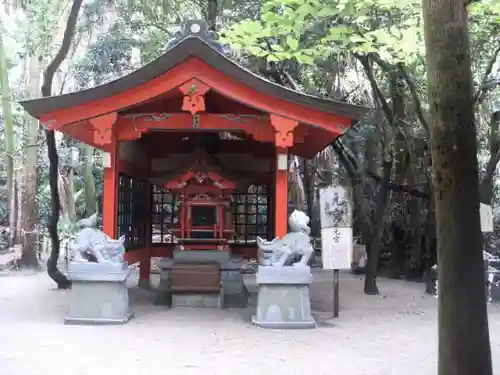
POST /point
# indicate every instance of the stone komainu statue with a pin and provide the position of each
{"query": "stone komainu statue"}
(294, 249)
(94, 246)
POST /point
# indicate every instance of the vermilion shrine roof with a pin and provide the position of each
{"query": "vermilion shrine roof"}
(193, 60)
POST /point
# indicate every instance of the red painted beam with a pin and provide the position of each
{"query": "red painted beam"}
(133, 125)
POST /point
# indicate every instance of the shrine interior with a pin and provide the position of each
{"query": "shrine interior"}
(199, 212)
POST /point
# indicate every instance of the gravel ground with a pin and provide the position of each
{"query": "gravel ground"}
(392, 334)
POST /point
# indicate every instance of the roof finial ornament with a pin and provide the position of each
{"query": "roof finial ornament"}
(197, 29)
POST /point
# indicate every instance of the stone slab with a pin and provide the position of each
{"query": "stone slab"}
(284, 325)
(198, 300)
(284, 306)
(284, 275)
(95, 322)
(201, 256)
(98, 302)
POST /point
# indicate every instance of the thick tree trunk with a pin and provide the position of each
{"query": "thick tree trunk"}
(8, 127)
(29, 214)
(60, 279)
(464, 346)
(378, 223)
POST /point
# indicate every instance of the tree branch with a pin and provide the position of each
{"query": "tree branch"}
(403, 188)
(364, 60)
(51, 69)
(417, 104)
(48, 76)
(484, 87)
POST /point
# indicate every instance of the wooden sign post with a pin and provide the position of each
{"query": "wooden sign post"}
(336, 234)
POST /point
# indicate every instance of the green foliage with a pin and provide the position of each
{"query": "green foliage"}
(317, 29)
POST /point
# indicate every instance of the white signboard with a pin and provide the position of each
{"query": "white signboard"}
(335, 207)
(337, 248)
(486, 212)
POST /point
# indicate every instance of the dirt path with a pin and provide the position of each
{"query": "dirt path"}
(391, 335)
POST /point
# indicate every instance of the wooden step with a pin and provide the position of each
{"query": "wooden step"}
(195, 278)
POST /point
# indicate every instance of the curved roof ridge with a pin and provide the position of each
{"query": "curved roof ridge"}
(198, 43)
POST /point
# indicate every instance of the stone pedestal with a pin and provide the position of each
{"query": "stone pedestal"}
(99, 294)
(283, 299)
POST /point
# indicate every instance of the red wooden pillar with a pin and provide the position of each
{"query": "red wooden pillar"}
(284, 139)
(281, 194)
(104, 135)
(110, 195)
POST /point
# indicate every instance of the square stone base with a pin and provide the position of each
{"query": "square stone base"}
(285, 306)
(99, 302)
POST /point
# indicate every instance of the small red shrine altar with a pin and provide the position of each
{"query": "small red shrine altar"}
(195, 148)
(204, 206)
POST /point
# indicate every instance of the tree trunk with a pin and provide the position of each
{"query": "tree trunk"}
(374, 247)
(90, 200)
(13, 215)
(309, 194)
(66, 193)
(29, 214)
(52, 269)
(359, 201)
(486, 188)
(8, 127)
(212, 12)
(19, 190)
(464, 346)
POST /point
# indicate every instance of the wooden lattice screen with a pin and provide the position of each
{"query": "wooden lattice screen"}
(133, 213)
(164, 215)
(250, 214)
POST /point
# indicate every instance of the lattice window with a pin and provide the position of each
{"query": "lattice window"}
(164, 216)
(132, 210)
(250, 214)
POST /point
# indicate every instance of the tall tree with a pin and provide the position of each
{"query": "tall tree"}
(464, 346)
(8, 126)
(29, 181)
(61, 280)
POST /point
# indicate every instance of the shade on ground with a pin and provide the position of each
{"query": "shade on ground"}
(391, 335)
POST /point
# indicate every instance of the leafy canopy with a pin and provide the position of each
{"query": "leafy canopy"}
(317, 29)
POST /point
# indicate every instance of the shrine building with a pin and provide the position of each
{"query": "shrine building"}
(195, 148)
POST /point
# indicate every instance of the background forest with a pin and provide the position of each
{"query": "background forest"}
(368, 52)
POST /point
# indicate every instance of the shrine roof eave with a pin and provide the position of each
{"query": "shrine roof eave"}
(191, 46)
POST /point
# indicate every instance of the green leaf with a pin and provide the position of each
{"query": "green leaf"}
(304, 59)
(271, 17)
(327, 12)
(252, 27)
(272, 58)
(277, 47)
(283, 55)
(256, 51)
(292, 42)
(357, 39)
